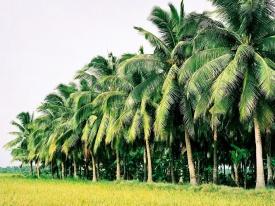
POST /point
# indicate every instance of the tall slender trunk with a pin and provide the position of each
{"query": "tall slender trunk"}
(192, 173)
(94, 167)
(31, 168)
(244, 174)
(87, 169)
(172, 169)
(57, 171)
(236, 174)
(97, 163)
(117, 165)
(144, 165)
(124, 167)
(75, 167)
(215, 160)
(149, 163)
(198, 175)
(52, 169)
(268, 158)
(37, 168)
(62, 170)
(80, 170)
(260, 182)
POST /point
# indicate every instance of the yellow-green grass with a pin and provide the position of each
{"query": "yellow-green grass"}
(16, 190)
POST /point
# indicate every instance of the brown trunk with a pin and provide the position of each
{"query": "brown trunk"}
(268, 158)
(192, 173)
(215, 160)
(144, 165)
(149, 163)
(260, 182)
(236, 174)
(94, 167)
(117, 165)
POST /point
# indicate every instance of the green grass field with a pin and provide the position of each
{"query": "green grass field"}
(16, 190)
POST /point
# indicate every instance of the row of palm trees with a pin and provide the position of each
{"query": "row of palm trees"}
(208, 84)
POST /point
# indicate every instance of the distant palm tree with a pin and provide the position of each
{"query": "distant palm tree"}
(104, 103)
(20, 147)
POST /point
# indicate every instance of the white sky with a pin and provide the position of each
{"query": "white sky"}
(43, 43)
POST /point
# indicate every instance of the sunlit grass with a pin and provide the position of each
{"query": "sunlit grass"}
(16, 190)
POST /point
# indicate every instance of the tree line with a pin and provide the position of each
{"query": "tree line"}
(199, 108)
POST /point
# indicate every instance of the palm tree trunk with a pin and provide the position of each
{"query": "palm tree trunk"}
(172, 169)
(97, 167)
(31, 168)
(236, 174)
(124, 167)
(117, 165)
(94, 167)
(244, 174)
(57, 171)
(215, 160)
(37, 168)
(260, 182)
(268, 158)
(144, 165)
(52, 169)
(75, 168)
(87, 169)
(192, 173)
(149, 163)
(62, 170)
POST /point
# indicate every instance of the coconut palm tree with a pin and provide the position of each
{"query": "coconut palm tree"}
(161, 68)
(104, 101)
(20, 145)
(234, 65)
(59, 108)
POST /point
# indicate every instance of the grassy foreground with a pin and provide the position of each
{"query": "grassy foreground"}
(20, 191)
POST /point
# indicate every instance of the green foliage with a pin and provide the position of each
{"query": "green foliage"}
(206, 79)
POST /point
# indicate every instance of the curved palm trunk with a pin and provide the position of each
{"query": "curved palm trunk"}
(149, 163)
(268, 158)
(94, 167)
(192, 173)
(215, 160)
(260, 182)
(117, 165)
